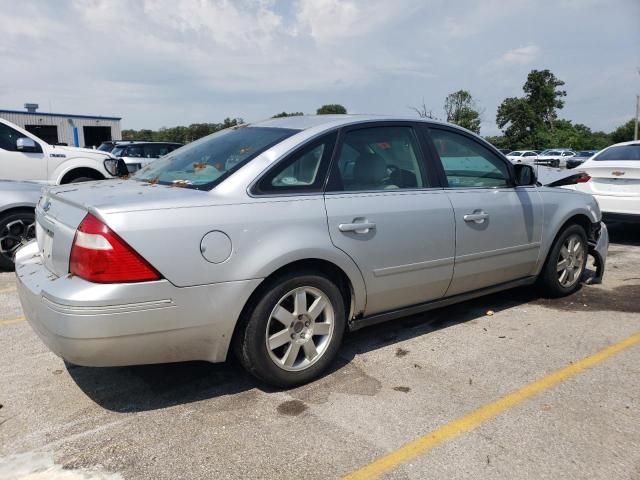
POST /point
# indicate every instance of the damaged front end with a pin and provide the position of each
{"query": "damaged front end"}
(598, 247)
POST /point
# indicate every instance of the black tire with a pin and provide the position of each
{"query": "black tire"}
(16, 228)
(549, 278)
(555, 164)
(250, 342)
(82, 176)
(82, 179)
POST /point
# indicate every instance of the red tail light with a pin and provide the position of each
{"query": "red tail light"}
(583, 179)
(99, 255)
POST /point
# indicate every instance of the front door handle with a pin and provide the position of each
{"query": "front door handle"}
(478, 216)
(358, 227)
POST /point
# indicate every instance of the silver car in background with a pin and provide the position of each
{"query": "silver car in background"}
(271, 239)
(17, 217)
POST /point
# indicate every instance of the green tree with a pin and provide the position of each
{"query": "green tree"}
(331, 108)
(287, 114)
(460, 108)
(181, 134)
(528, 122)
(544, 96)
(624, 133)
(518, 121)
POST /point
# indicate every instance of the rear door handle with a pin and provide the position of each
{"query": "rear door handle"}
(478, 216)
(359, 227)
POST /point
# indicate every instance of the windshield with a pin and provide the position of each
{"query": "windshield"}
(204, 163)
(105, 147)
(515, 154)
(117, 151)
(623, 152)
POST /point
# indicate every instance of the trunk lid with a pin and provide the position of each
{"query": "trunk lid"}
(56, 223)
(615, 178)
(61, 209)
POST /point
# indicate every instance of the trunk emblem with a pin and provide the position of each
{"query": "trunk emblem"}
(617, 173)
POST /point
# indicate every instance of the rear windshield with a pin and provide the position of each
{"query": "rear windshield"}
(205, 163)
(623, 152)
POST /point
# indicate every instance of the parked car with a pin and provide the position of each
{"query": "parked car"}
(283, 234)
(505, 151)
(23, 156)
(580, 157)
(554, 158)
(523, 156)
(17, 217)
(139, 154)
(615, 181)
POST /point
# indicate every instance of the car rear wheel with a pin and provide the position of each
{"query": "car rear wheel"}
(566, 263)
(16, 229)
(294, 330)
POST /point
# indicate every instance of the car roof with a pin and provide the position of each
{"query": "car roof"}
(303, 122)
(632, 142)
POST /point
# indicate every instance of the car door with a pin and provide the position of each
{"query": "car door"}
(384, 212)
(20, 165)
(498, 224)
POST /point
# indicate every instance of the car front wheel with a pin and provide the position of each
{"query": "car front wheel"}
(566, 263)
(294, 330)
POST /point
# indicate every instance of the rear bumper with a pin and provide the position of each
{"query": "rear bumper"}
(128, 324)
(619, 208)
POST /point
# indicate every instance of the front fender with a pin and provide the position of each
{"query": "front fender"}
(78, 162)
(562, 206)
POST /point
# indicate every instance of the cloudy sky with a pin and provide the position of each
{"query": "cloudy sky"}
(174, 62)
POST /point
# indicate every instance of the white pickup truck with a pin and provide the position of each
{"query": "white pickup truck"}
(23, 156)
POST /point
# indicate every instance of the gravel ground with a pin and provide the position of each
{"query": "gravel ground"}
(391, 384)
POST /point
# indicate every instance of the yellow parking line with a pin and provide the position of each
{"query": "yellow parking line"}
(475, 419)
(15, 320)
(8, 290)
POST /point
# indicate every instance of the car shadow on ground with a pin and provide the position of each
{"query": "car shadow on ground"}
(151, 387)
(624, 233)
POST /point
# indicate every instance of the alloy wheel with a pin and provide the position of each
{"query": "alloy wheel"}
(15, 234)
(570, 261)
(300, 328)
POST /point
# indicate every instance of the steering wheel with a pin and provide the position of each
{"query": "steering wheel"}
(391, 169)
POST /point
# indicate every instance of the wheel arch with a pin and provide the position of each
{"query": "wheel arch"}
(17, 207)
(344, 283)
(80, 171)
(577, 218)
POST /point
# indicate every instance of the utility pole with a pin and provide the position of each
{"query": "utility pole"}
(635, 133)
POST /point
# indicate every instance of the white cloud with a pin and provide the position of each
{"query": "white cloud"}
(521, 56)
(167, 62)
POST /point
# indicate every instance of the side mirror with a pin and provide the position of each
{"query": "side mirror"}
(25, 144)
(525, 175)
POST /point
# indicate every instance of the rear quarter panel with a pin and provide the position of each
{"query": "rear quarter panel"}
(266, 234)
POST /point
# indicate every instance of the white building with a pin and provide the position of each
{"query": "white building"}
(64, 128)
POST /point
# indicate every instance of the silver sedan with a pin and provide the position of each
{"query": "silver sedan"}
(272, 239)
